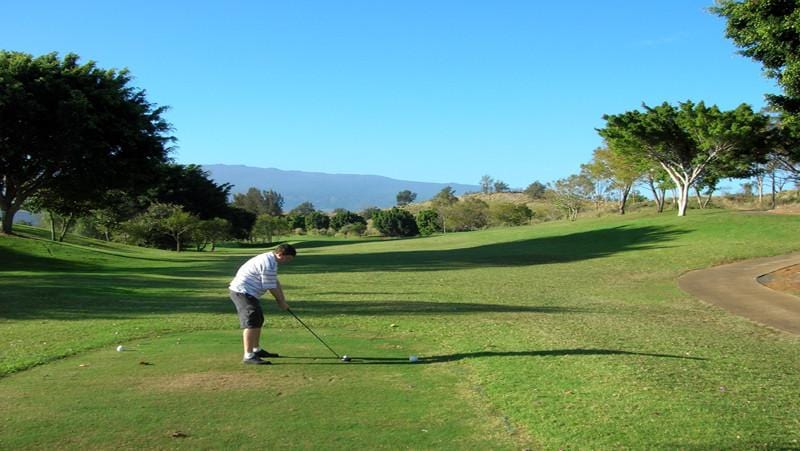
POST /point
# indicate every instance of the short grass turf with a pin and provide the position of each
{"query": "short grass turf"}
(560, 335)
(189, 391)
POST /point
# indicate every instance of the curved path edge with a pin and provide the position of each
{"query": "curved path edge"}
(734, 287)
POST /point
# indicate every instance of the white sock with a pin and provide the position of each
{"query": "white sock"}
(257, 349)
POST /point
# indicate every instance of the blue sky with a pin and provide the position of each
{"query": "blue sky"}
(434, 90)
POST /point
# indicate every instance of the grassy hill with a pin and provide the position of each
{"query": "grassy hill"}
(559, 335)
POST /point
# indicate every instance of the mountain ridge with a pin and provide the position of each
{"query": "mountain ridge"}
(326, 191)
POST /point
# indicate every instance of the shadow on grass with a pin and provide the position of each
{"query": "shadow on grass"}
(374, 308)
(58, 253)
(535, 251)
(14, 260)
(117, 303)
(301, 244)
(80, 289)
(490, 354)
(312, 244)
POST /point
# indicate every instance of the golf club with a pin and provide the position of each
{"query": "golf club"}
(343, 359)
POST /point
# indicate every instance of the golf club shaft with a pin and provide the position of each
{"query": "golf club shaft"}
(312, 333)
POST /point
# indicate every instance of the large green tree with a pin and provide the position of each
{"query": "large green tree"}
(442, 202)
(74, 129)
(768, 31)
(191, 187)
(689, 139)
(268, 202)
(267, 225)
(621, 169)
(211, 231)
(161, 225)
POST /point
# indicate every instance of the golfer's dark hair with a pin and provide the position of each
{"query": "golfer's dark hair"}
(286, 249)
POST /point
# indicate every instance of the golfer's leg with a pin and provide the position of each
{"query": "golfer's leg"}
(251, 338)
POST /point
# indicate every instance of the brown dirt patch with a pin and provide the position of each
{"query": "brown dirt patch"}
(213, 381)
(792, 209)
(785, 279)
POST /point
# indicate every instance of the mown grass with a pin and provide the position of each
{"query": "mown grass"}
(560, 335)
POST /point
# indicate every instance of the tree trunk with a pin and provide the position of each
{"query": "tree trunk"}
(699, 197)
(707, 200)
(683, 178)
(52, 225)
(8, 220)
(623, 198)
(659, 198)
(67, 223)
(683, 200)
(773, 191)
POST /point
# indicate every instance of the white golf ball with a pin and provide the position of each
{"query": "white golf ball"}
(412, 358)
(120, 348)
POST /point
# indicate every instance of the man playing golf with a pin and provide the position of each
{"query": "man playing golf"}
(254, 278)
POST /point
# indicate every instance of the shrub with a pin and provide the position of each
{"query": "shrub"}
(354, 229)
(395, 222)
(344, 218)
(428, 222)
(317, 220)
(469, 214)
(508, 214)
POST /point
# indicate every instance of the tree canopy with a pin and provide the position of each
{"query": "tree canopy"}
(536, 190)
(445, 197)
(268, 202)
(405, 197)
(686, 139)
(66, 126)
(767, 31)
(191, 187)
(343, 218)
(621, 169)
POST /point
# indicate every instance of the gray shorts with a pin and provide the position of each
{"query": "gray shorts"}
(251, 315)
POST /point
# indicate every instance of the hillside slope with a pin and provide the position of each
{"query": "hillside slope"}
(326, 191)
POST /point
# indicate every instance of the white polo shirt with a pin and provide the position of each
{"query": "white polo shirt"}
(257, 275)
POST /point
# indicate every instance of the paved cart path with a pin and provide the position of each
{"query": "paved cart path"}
(735, 288)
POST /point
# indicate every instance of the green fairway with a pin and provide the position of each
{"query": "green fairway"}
(559, 335)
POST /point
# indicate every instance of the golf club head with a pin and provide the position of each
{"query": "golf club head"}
(346, 358)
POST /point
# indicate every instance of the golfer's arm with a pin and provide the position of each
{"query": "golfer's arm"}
(277, 292)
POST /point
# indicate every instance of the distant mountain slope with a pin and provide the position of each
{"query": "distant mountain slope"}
(326, 191)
